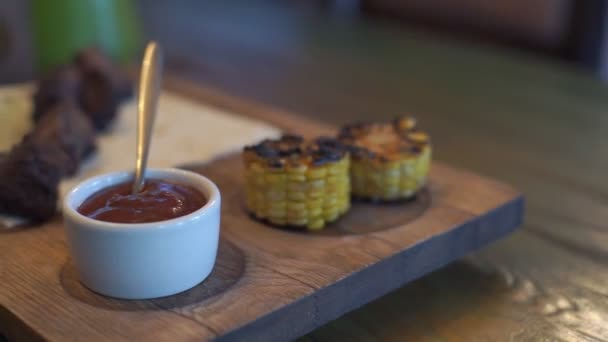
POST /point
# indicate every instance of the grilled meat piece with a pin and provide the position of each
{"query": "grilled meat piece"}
(62, 84)
(30, 173)
(103, 87)
(92, 81)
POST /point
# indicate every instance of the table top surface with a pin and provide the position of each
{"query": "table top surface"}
(538, 125)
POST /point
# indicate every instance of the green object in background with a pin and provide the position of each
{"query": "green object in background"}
(62, 27)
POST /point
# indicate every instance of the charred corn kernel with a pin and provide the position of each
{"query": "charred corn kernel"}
(274, 178)
(331, 215)
(277, 206)
(276, 195)
(344, 206)
(330, 201)
(275, 212)
(389, 161)
(410, 183)
(316, 184)
(295, 187)
(296, 205)
(278, 221)
(298, 213)
(296, 196)
(298, 222)
(330, 207)
(297, 183)
(298, 169)
(338, 188)
(316, 173)
(297, 177)
(390, 173)
(316, 224)
(299, 218)
(407, 168)
(392, 192)
(391, 183)
(314, 202)
(314, 212)
(335, 171)
(315, 194)
(332, 179)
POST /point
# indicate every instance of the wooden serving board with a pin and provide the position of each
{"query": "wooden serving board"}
(268, 284)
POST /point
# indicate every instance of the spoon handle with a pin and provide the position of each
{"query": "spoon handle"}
(147, 100)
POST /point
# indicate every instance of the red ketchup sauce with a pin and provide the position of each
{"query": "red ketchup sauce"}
(159, 200)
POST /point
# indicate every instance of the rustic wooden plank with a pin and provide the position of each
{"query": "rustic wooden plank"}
(269, 283)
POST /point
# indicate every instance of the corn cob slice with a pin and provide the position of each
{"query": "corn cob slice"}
(291, 182)
(389, 161)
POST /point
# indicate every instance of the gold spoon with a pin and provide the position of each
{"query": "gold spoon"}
(147, 100)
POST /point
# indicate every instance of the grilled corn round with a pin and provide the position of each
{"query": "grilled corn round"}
(389, 161)
(292, 182)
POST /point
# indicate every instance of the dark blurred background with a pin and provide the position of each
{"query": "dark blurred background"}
(563, 30)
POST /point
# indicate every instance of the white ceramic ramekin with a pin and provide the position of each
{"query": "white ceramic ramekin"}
(143, 260)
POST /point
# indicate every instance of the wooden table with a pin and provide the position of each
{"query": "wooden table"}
(538, 126)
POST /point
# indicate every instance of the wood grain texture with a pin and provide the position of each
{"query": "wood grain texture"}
(268, 284)
(538, 125)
